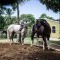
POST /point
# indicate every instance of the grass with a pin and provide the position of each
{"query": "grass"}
(27, 40)
(55, 42)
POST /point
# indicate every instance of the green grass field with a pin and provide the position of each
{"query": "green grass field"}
(55, 42)
(27, 40)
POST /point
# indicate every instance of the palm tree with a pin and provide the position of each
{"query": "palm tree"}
(8, 13)
(14, 4)
(2, 8)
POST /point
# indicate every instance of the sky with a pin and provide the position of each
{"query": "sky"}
(35, 8)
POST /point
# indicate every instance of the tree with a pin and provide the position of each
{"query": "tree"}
(52, 4)
(14, 3)
(14, 19)
(4, 3)
(28, 17)
(31, 18)
(8, 21)
(2, 8)
(2, 22)
(8, 13)
(45, 16)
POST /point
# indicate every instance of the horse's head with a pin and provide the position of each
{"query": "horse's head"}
(26, 23)
(43, 21)
(38, 22)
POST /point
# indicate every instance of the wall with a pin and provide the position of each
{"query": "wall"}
(56, 24)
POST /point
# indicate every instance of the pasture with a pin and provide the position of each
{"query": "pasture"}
(27, 40)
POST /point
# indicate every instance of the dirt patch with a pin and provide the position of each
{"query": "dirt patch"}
(26, 52)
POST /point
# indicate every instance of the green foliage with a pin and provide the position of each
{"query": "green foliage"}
(45, 16)
(2, 9)
(31, 19)
(9, 21)
(2, 22)
(7, 2)
(52, 4)
(14, 4)
(8, 18)
(8, 12)
(28, 17)
(55, 42)
(14, 20)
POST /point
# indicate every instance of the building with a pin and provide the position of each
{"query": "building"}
(55, 28)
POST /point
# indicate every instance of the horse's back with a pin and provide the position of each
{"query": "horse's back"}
(14, 27)
(17, 28)
(11, 27)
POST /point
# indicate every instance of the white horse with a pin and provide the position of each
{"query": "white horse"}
(19, 30)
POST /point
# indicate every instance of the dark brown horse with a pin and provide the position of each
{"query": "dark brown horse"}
(41, 28)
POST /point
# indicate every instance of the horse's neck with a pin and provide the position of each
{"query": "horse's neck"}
(24, 29)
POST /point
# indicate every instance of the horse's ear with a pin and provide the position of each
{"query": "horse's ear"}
(44, 21)
(28, 22)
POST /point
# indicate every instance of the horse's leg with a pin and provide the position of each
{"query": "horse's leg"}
(37, 37)
(44, 44)
(22, 38)
(8, 34)
(32, 38)
(12, 36)
(19, 37)
(48, 41)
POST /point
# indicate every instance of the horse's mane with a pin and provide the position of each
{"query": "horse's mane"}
(45, 24)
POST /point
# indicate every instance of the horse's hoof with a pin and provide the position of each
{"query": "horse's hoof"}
(10, 43)
(22, 44)
(45, 49)
(31, 45)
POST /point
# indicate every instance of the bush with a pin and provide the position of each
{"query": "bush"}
(3, 36)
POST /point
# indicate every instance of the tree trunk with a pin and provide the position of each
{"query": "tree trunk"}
(17, 12)
(19, 38)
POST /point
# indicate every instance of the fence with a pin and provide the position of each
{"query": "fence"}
(3, 34)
